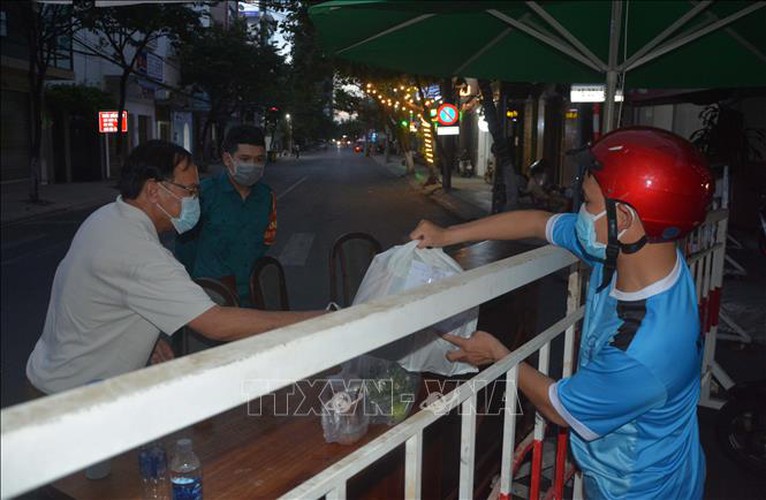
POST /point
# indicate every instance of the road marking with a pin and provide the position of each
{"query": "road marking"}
(297, 249)
(283, 193)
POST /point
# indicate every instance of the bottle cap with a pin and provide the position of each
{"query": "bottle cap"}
(184, 444)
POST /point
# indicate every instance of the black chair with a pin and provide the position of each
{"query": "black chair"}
(222, 295)
(218, 291)
(268, 288)
(350, 256)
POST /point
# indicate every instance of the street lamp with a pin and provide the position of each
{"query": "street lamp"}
(289, 132)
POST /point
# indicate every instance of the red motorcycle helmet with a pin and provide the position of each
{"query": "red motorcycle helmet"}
(661, 175)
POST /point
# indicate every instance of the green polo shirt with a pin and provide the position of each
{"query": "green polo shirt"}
(231, 234)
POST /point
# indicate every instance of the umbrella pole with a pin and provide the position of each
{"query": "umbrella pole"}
(615, 31)
(611, 91)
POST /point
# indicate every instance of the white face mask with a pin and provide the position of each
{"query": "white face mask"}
(247, 174)
(585, 228)
(190, 212)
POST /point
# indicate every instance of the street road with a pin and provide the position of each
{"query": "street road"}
(320, 196)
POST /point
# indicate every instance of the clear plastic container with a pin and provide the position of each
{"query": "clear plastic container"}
(344, 419)
(185, 472)
(153, 469)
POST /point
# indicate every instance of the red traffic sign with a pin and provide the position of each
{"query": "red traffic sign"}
(447, 114)
(107, 121)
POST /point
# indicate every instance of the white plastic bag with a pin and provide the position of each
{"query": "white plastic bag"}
(401, 268)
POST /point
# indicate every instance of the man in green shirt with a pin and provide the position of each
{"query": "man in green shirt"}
(239, 215)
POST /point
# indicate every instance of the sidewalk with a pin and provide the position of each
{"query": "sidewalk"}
(470, 198)
(16, 207)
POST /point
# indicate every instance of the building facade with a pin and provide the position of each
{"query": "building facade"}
(73, 150)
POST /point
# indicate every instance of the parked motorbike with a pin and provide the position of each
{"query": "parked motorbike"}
(741, 425)
(464, 165)
(542, 191)
(489, 173)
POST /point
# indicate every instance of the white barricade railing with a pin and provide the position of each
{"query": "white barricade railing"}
(705, 250)
(332, 481)
(49, 438)
(46, 439)
(730, 329)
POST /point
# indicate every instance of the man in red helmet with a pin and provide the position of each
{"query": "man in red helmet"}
(632, 401)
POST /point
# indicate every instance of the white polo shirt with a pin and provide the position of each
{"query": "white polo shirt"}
(115, 290)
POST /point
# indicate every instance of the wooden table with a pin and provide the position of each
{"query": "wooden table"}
(243, 455)
(249, 456)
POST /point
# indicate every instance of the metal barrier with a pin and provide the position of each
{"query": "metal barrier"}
(47, 439)
(705, 250)
(730, 329)
(332, 481)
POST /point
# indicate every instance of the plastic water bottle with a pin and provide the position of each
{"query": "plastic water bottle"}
(185, 472)
(153, 466)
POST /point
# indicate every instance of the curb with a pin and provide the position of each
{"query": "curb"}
(453, 204)
(64, 208)
(456, 206)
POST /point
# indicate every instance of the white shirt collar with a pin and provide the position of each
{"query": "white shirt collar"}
(655, 288)
(135, 213)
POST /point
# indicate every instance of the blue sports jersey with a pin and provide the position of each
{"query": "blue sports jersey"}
(632, 403)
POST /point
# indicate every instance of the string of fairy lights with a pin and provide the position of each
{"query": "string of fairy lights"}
(428, 145)
(407, 98)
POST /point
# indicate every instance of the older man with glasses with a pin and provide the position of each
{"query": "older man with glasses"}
(117, 287)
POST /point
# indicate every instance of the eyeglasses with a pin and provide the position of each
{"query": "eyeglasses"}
(193, 190)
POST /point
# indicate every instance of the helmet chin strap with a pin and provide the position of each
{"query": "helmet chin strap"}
(613, 246)
(634, 247)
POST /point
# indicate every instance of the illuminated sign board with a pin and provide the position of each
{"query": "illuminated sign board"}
(591, 93)
(107, 121)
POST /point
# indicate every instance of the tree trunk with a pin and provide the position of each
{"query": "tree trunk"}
(386, 149)
(202, 140)
(205, 133)
(222, 123)
(433, 176)
(403, 139)
(121, 109)
(35, 77)
(409, 161)
(36, 134)
(505, 190)
(433, 168)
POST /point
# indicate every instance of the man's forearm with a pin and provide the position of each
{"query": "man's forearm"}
(535, 386)
(232, 323)
(513, 225)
